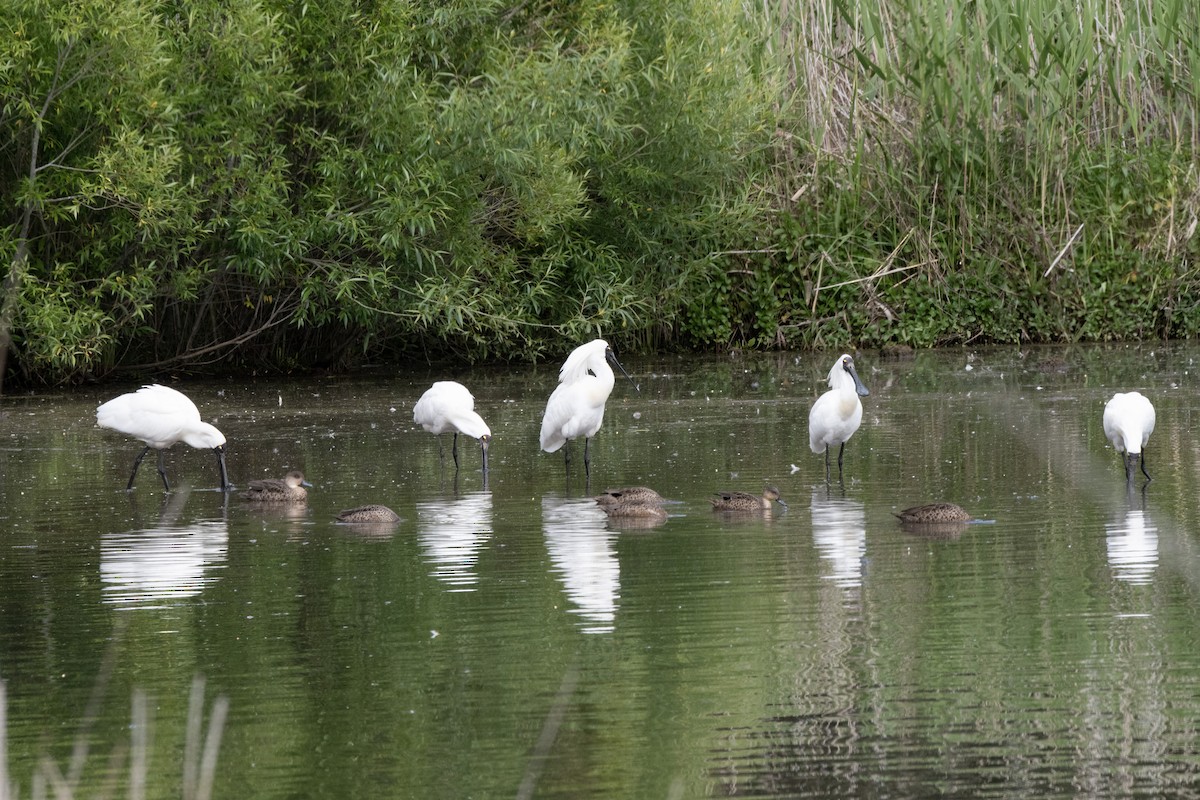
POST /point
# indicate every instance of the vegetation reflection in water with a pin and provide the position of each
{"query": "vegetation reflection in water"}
(513, 640)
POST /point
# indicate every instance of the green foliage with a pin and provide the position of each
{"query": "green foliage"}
(83, 171)
(939, 159)
(236, 184)
(62, 326)
(281, 186)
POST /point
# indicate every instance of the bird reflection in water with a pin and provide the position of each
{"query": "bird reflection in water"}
(159, 566)
(452, 533)
(581, 551)
(840, 534)
(1132, 547)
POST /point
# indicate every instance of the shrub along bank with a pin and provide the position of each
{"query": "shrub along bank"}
(276, 187)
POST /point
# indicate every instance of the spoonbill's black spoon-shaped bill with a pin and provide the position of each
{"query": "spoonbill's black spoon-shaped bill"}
(1128, 423)
(161, 416)
(837, 414)
(576, 408)
(447, 407)
(288, 489)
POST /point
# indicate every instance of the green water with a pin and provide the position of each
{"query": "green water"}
(505, 641)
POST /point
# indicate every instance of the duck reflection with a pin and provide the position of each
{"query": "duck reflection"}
(277, 512)
(452, 533)
(581, 550)
(1133, 547)
(643, 519)
(156, 567)
(840, 534)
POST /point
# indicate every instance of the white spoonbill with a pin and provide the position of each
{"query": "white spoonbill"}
(448, 406)
(1128, 423)
(160, 417)
(576, 408)
(837, 414)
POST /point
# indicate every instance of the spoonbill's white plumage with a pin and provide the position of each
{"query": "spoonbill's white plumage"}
(1128, 423)
(448, 407)
(576, 408)
(837, 414)
(161, 416)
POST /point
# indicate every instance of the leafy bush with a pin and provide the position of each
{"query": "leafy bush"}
(274, 186)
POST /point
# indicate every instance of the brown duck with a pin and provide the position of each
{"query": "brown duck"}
(288, 489)
(933, 514)
(630, 496)
(744, 501)
(370, 513)
(633, 502)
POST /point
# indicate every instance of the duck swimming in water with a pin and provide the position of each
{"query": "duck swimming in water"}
(630, 496)
(288, 489)
(744, 501)
(933, 514)
(369, 513)
(633, 507)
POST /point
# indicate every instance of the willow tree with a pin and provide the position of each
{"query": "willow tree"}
(78, 82)
(275, 184)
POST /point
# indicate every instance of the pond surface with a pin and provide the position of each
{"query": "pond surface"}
(504, 640)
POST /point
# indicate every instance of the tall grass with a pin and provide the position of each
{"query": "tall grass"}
(1058, 75)
(128, 765)
(1046, 148)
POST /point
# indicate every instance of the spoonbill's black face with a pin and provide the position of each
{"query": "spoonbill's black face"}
(859, 386)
